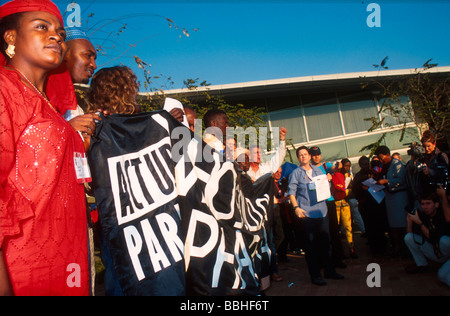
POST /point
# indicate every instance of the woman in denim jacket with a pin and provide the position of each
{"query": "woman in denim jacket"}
(313, 218)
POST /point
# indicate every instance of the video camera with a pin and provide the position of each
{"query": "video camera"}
(416, 150)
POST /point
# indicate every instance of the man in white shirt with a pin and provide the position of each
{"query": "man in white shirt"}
(258, 168)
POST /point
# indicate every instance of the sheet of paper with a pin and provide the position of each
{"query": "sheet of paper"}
(377, 195)
(322, 187)
(171, 104)
(347, 181)
(371, 183)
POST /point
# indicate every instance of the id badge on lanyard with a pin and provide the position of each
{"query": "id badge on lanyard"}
(311, 185)
(82, 168)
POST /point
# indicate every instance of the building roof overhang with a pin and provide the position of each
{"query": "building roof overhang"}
(309, 84)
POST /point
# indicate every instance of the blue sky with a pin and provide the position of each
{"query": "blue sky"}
(240, 41)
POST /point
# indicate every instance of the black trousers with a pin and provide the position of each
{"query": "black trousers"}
(375, 220)
(317, 245)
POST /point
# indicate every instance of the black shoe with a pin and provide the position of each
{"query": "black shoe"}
(334, 276)
(318, 281)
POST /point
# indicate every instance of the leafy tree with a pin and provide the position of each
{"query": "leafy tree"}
(422, 98)
(238, 114)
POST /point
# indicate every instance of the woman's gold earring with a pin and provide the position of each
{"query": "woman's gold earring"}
(10, 51)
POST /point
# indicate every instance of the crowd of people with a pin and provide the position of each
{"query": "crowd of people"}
(402, 210)
(44, 136)
(385, 202)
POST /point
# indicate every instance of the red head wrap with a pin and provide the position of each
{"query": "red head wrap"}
(60, 89)
(17, 6)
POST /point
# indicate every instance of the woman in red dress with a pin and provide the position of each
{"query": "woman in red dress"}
(43, 226)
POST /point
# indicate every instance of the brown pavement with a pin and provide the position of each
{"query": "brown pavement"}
(394, 280)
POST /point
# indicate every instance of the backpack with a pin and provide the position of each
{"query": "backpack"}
(338, 186)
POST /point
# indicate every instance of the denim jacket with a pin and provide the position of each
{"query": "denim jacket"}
(396, 176)
(300, 187)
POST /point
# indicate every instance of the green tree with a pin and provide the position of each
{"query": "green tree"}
(422, 97)
(238, 114)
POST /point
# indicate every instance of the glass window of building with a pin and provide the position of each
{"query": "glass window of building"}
(396, 111)
(356, 144)
(355, 109)
(333, 151)
(393, 139)
(322, 117)
(292, 120)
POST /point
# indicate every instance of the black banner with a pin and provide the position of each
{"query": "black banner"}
(176, 217)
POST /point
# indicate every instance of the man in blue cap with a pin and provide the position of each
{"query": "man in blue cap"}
(81, 55)
(80, 61)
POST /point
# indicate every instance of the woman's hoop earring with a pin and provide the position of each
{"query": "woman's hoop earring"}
(10, 51)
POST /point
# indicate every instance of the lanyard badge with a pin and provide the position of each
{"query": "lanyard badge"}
(82, 168)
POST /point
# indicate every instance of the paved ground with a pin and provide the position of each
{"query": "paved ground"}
(394, 280)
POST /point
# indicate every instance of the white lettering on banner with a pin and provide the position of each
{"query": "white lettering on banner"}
(162, 121)
(154, 248)
(185, 182)
(259, 210)
(264, 246)
(240, 254)
(244, 261)
(158, 257)
(212, 189)
(221, 258)
(224, 257)
(146, 183)
(169, 230)
(142, 181)
(205, 249)
(134, 245)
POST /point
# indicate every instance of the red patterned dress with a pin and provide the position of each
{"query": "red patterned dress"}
(43, 226)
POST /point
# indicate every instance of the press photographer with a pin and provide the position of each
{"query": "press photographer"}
(435, 164)
(427, 168)
(428, 234)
